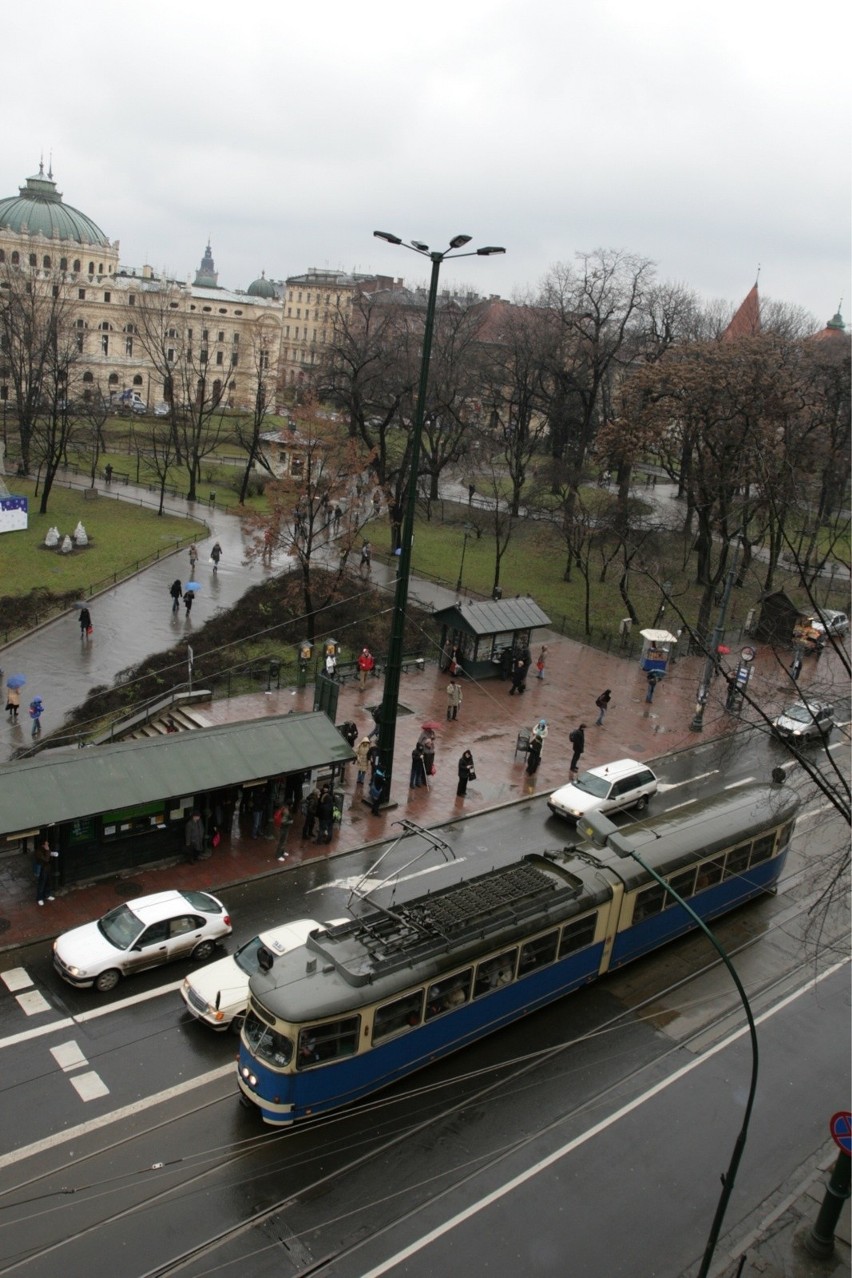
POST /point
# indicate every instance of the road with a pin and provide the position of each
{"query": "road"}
(124, 1146)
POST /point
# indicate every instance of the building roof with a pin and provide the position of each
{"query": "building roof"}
(262, 287)
(51, 788)
(38, 209)
(746, 319)
(494, 616)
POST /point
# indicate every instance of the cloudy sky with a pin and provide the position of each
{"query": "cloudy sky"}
(710, 141)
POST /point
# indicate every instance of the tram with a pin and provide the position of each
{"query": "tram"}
(369, 1001)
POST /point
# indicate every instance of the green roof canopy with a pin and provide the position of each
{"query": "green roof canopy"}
(52, 787)
(494, 616)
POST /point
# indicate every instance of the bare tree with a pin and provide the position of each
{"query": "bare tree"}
(249, 429)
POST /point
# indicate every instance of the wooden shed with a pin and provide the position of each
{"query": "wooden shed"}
(484, 637)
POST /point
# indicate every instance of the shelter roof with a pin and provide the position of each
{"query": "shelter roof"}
(494, 616)
(52, 787)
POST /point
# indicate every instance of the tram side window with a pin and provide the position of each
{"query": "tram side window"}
(649, 901)
(494, 973)
(737, 860)
(683, 883)
(709, 873)
(403, 1013)
(538, 953)
(444, 995)
(321, 1043)
(763, 848)
(577, 934)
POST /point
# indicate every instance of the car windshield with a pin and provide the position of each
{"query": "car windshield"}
(590, 784)
(801, 714)
(120, 927)
(246, 957)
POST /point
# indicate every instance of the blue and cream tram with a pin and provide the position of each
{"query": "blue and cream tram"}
(367, 1002)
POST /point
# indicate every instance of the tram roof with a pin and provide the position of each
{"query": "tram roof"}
(53, 787)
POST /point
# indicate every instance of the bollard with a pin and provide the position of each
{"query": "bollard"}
(819, 1242)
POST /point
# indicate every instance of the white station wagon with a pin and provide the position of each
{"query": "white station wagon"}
(626, 783)
(141, 933)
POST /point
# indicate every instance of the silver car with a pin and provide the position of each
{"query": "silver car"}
(805, 719)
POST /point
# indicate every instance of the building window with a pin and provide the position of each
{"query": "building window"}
(173, 306)
(238, 312)
(33, 259)
(202, 355)
(219, 357)
(223, 311)
(236, 339)
(207, 309)
(76, 263)
(205, 334)
(170, 355)
(128, 345)
(45, 261)
(88, 377)
(235, 359)
(113, 379)
(137, 381)
(221, 336)
(56, 290)
(2, 255)
(16, 257)
(172, 333)
(63, 263)
(131, 301)
(107, 297)
(79, 339)
(91, 268)
(105, 344)
(81, 294)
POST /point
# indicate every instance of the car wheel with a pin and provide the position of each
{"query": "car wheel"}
(107, 980)
(203, 951)
(642, 803)
(237, 1023)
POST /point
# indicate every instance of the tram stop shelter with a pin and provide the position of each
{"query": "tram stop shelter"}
(483, 638)
(110, 808)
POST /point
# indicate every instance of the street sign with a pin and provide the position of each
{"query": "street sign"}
(748, 654)
(841, 1130)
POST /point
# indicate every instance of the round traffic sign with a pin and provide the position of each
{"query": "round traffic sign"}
(841, 1130)
(748, 654)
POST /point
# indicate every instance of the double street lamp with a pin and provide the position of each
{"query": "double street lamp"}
(393, 667)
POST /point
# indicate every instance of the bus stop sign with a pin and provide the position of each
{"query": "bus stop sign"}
(841, 1130)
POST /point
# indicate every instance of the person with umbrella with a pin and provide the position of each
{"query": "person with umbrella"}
(13, 696)
(189, 595)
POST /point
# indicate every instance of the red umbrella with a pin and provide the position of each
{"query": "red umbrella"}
(430, 726)
(723, 650)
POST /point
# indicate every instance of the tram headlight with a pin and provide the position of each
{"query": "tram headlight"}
(249, 1077)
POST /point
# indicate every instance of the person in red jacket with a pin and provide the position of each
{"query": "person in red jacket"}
(365, 666)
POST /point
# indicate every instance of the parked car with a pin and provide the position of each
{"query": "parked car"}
(626, 783)
(162, 409)
(805, 719)
(218, 993)
(831, 622)
(141, 933)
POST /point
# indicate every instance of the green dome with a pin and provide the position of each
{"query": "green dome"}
(262, 287)
(39, 209)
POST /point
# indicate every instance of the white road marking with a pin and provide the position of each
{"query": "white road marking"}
(93, 1014)
(665, 786)
(127, 1002)
(744, 781)
(26, 1035)
(16, 978)
(68, 1055)
(89, 1086)
(117, 1115)
(33, 1003)
(393, 1261)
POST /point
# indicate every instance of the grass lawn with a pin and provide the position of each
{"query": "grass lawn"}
(122, 538)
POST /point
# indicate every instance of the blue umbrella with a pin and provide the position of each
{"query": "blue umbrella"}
(15, 681)
(193, 585)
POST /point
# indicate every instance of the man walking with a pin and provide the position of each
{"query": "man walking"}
(194, 837)
(578, 743)
(365, 664)
(44, 856)
(602, 704)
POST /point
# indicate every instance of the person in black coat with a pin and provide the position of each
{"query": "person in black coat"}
(467, 772)
(578, 743)
(534, 754)
(325, 813)
(176, 590)
(519, 677)
(187, 601)
(85, 622)
(418, 768)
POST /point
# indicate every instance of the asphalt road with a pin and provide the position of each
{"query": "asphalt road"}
(126, 1148)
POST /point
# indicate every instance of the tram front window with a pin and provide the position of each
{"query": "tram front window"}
(266, 1044)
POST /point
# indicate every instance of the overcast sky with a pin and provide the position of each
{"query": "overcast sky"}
(710, 141)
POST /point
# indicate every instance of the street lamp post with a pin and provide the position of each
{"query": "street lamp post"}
(393, 665)
(697, 724)
(468, 531)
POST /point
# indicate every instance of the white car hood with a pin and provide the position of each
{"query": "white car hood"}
(87, 948)
(224, 977)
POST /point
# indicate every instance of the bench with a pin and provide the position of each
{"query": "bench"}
(522, 744)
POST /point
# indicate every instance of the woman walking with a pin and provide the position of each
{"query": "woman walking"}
(187, 601)
(418, 768)
(85, 624)
(216, 555)
(467, 772)
(602, 704)
(193, 560)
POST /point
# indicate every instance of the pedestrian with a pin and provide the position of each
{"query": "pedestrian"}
(282, 819)
(427, 740)
(193, 560)
(534, 754)
(108, 474)
(44, 857)
(36, 711)
(194, 836)
(471, 489)
(454, 699)
(13, 704)
(85, 620)
(325, 814)
(216, 555)
(365, 664)
(366, 565)
(653, 677)
(796, 665)
(258, 810)
(268, 544)
(377, 786)
(539, 730)
(337, 516)
(176, 590)
(362, 758)
(602, 704)
(418, 768)
(311, 806)
(519, 676)
(539, 665)
(330, 666)
(187, 601)
(467, 772)
(578, 743)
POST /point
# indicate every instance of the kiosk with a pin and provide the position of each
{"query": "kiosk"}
(657, 649)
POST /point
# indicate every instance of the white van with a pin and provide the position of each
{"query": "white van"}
(626, 783)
